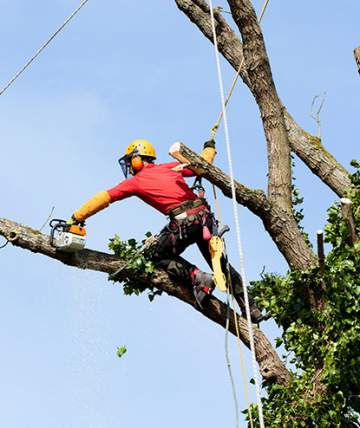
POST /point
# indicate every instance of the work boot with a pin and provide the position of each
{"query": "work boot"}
(255, 313)
(203, 285)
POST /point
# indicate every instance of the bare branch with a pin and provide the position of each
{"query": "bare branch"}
(317, 158)
(270, 364)
(305, 145)
(47, 218)
(315, 113)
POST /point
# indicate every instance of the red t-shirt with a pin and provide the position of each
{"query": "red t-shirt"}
(157, 185)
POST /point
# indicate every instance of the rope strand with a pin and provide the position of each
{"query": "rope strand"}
(228, 362)
(43, 47)
(238, 341)
(4, 245)
(236, 218)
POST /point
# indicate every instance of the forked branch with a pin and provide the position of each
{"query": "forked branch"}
(306, 146)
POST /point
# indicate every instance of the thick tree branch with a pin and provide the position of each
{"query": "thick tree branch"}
(357, 57)
(305, 145)
(280, 224)
(263, 88)
(255, 200)
(270, 364)
(322, 163)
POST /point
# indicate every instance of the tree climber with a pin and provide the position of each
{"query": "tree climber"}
(163, 187)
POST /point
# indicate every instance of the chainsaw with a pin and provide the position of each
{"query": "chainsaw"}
(67, 237)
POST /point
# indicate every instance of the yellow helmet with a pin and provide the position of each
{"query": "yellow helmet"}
(142, 148)
(132, 161)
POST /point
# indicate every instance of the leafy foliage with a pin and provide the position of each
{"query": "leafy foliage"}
(319, 312)
(121, 350)
(131, 251)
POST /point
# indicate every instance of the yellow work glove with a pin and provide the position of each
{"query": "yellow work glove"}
(209, 151)
(207, 154)
(97, 203)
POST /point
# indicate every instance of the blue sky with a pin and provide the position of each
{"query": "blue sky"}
(124, 70)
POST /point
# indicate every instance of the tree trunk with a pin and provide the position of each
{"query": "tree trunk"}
(306, 146)
(263, 87)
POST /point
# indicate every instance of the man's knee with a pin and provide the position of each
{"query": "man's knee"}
(178, 268)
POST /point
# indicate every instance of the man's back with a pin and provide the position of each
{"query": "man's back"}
(157, 185)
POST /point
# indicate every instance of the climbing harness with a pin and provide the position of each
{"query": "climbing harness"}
(43, 47)
(184, 216)
(236, 218)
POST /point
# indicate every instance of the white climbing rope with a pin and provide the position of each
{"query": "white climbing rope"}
(236, 218)
(44, 46)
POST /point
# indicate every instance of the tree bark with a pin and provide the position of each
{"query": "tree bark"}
(347, 214)
(357, 57)
(271, 367)
(280, 224)
(263, 87)
(306, 146)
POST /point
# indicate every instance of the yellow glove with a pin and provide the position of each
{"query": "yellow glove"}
(98, 202)
(207, 154)
(209, 151)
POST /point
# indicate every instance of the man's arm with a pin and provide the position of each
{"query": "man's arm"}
(97, 203)
(208, 153)
(103, 199)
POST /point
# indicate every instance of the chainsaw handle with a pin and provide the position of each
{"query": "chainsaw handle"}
(58, 221)
(56, 224)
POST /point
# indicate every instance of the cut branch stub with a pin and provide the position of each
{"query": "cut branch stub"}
(320, 248)
(348, 217)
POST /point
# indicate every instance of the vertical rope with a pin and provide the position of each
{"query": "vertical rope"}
(236, 218)
(228, 362)
(238, 341)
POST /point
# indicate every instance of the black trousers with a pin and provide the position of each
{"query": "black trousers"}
(175, 238)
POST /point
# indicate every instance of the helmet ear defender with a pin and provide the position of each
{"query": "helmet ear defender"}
(132, 161)
(137, 163)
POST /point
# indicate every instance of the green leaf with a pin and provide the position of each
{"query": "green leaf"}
(121, 351)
